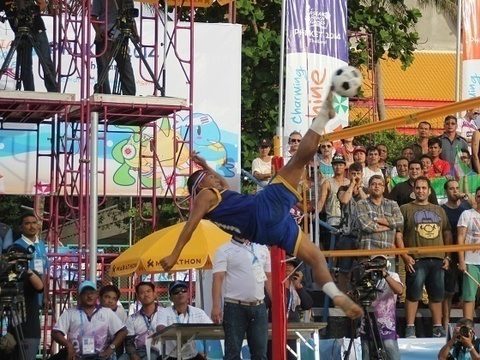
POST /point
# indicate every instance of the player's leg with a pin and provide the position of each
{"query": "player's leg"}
(311, 255)
(292, 172)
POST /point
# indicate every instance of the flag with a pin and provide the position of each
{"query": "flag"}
(316, 46)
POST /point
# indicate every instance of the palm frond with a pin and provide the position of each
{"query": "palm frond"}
(447, 7)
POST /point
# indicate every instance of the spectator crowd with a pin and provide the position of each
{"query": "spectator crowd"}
(426, 195)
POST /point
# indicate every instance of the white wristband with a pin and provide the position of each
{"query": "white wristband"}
(331, 290)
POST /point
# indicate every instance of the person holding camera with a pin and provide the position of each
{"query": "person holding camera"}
(107, 19)
(388, 289)
(349, 227)
(329, 189)
(463, 344)
(30, 325)
(19, 14)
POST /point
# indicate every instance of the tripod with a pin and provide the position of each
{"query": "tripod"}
(12, 309)
(120, 46)
(376, 349)
(22, 44)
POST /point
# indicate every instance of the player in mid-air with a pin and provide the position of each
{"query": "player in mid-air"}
(264, 218)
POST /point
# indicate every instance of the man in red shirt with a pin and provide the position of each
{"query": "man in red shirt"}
(440, 167)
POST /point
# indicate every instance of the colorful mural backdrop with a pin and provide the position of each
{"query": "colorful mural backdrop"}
(216, 123)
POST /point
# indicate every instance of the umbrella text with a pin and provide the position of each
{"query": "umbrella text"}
(191, 262)
(124, 267)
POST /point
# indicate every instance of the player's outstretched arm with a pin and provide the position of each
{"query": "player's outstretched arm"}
(203, 202)
(203, 163)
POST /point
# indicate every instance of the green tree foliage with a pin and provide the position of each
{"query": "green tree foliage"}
(390, 22)
(447, 7)
(394, 142)
(11, 209)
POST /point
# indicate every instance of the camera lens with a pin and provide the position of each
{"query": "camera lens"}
(464, 331)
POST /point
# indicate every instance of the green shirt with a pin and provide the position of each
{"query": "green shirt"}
(424, 226)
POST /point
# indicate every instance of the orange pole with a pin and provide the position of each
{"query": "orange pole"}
(414, 118)
(397, 251)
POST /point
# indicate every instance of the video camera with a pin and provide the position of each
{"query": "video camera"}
(127, 12)
(13, 269)
(25, 11)
(366, 277)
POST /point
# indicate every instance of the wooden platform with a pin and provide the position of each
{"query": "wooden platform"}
(130, 110)
(31, 106)
(35, 107)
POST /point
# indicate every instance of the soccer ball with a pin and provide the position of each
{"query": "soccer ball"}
(347, 81)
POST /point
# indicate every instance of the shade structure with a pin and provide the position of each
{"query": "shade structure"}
(144, 257)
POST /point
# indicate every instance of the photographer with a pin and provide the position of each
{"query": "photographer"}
(349, 226)
(32, 286)
(387, 290)
(463, 344)
(22, 13)
(108, 17)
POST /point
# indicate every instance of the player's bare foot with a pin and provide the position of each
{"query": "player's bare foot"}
(325, 114)
(349, 307)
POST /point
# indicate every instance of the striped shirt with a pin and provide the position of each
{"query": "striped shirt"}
(368, 212)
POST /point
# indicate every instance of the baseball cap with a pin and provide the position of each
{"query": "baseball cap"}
(293, 262)
(359, 148)
(265, 143)
(87, 284)
(175, 285)
(338, 159)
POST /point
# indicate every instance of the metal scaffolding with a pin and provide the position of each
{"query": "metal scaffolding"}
(73, 119)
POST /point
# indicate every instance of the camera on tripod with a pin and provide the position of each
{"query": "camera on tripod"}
(127, 13)
(13, 269)
(25, 11)
(366, 277)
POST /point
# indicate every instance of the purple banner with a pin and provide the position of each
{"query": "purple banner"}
(317, 27)
(316, 46)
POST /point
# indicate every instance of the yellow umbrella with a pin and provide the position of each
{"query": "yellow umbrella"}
(144, 257)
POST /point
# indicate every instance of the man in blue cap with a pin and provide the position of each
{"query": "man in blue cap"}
(89, 331)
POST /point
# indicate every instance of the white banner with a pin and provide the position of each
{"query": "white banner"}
(471, 49)
(217, 116)
(316, 46)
